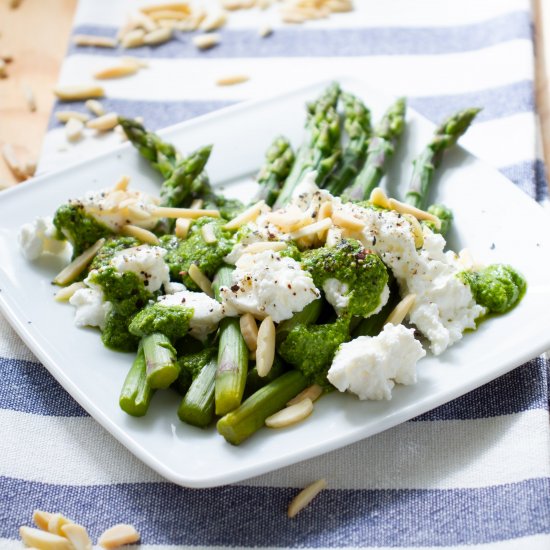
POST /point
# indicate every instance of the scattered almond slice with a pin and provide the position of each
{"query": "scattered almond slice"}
(94, 41)
(41, 519)
(305, 496)
(190, 213)
(265, 347)
(404, 208)
(133, 39)
(103, 123)
(73, 129)
(78, 265)
(379, 198)
(347, 221)
(75, 92)
(122, 184)
(249, 331)
(116, 71)
(312, 392)
(13, 162)
(29, 97)
(213, 21)
(290, 415)
(158, 36)
(182, 227)
(143, 235)
(118, 535)
(312, 229)
(256, 248)
(43, 540)
(65, 116)
(232, 80)
(77, 536)
(208, 233)
(141, 19)
(183, 7)
(56, 522)
(250, 214)
(401, 310)
(206, 41)
(95, 107)
(264, 31)
(201, 280)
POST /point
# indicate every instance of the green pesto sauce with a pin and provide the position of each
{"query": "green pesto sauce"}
(229, 208)
(194, 249)
(363, 272)
(81, 230)
(311, 348)
(190, 366)
(172, 321)
(128, 295)
(110, 248)
(498, 287)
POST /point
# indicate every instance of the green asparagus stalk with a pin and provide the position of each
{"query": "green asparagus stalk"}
(136, 392)
(160, 360)
(357, 125)
(445, 136)
(178, 187)
(444, 214)
(381, 148)
(279, 159)
(162, 156)
(254, 381)
(373, 325)
(321, 143)
(197, 407)
(232, 355)
(241, 423)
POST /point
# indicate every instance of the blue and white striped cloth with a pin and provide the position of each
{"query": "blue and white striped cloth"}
(473, 472)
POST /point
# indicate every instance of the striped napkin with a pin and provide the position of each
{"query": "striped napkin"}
(475, 471)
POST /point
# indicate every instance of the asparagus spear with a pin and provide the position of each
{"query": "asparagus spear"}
(136, 392)
(278, 162)
(445, 136)
(197, 407)
(381, 148)
(241, 423)
(445, 215)
(232, 355)
(357, 125)
(160, 360)
(318, 150)
(162, 156)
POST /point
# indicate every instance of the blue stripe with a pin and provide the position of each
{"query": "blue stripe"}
(28, 387)
(157, 114)
(497, 102)
(308, 42)
(529, 176)
(239, 516)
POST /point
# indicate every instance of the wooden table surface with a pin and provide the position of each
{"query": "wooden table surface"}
(36, 34)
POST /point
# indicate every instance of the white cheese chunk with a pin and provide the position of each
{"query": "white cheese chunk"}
(147, 262)
(91, 307)
(371, 366)
(207, 313)
(269, 284)
(38, 238)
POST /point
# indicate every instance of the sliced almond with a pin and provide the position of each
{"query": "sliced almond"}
(116, 71)
(56, 522)
(30, 168)
(249, 331)
(78, 265)
(141, 63)
(416, 230)
(142, 20)
(209, 234)
(64, 116)
(404, 208)
(64, 295)
(43, 540)
(166, 15)
(74, 129)
(305, 496)
(213, 21)
(265, 347)
(94, 41)
(201, 280)
(290, 415)
(133, 39)
(312, 392)
(76, 92)
(256, 248)
(118, 535)
(312, 229)
(95, 107)
(29, 97)
(197, 203)
(103, 123)
(122, 184)
(206, 41)
(231, 5)
(183, 7)
(182, 227)
(13, 162)
(401, 310)
(250, 214)
(190, 213)
(339, 6)
(77, 536)
(232, 80)
(347, 221)
(379, 198)
(41, 519)
(143, 235)
(158, 36)
(264, 31)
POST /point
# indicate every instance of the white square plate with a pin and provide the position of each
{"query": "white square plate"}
(495, 220)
